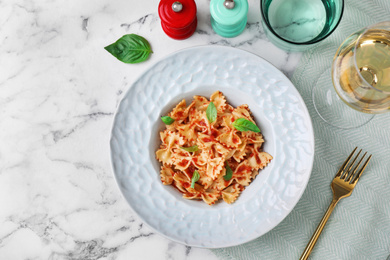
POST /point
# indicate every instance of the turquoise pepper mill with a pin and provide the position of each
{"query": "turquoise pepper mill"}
(228, 17)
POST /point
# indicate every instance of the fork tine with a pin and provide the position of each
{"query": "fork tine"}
(355, 169)
(342, 168)
(350, 166)
(359, 174)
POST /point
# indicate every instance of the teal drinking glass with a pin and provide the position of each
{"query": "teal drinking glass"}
(297, 25)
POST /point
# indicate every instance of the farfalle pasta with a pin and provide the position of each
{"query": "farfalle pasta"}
(210, 150)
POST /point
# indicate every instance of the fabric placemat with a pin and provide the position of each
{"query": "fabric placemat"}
(359, 227)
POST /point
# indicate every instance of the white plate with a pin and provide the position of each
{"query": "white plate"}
(244, 78)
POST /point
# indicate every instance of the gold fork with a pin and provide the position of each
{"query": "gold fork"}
(342, 186)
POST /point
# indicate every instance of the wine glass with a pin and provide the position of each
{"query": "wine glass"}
(361, 78)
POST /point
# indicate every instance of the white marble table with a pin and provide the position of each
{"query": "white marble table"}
(59, 89)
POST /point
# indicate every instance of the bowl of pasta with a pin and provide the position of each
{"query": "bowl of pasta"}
(212, 146)
(210, 150)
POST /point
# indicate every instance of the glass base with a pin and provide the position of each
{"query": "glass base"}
(332, 109)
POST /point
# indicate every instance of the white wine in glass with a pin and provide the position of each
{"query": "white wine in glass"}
(361, 69)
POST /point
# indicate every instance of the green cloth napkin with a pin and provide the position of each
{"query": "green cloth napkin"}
(359, 227)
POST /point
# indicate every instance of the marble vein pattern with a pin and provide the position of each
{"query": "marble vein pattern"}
(59, 90)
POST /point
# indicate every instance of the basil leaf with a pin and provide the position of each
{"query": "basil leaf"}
(211, 112)
(243, 125)
(130, 48)
(190, 149)
(195, 178)
(167, 120)
(229, 172)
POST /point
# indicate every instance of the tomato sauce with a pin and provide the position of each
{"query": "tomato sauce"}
(207, 139)
(258, 160)
(214, 133)
(183, 163)
(180, 114)
(202, 123)
(191, 170)
(241, 170)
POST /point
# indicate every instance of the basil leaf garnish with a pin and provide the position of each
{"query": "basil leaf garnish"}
(211, 112)
(190, 149)
(130, 48)
(167, 120)
(243, 125)
(229, 172)
(195, 178)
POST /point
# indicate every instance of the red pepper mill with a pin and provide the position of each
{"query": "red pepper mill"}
(178, 18)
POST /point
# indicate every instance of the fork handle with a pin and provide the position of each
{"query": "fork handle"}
(318, 231)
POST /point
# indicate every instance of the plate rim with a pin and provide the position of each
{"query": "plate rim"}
(310, 128)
